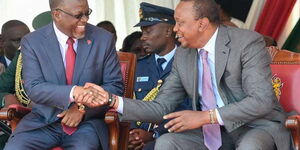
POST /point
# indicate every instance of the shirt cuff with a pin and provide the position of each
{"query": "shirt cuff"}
(71, 95)
(219, 117)
(120, 106)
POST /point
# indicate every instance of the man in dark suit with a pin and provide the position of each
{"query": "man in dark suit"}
(158, 39)
(12, 32)
(57, 60)
(226, 71)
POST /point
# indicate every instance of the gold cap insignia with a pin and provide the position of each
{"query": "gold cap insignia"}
(141, 13)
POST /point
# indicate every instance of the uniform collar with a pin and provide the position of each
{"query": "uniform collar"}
(168, 56)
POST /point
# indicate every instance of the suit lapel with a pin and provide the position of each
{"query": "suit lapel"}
(83, 51)
(53, 51)
(222, 52)
(192, 65)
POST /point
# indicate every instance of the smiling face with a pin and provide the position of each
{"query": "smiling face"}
(187, 27)
(68, 24)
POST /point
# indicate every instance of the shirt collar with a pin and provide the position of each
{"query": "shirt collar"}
(61, 37)
(168, 56)
(210, 45)
(7, 61)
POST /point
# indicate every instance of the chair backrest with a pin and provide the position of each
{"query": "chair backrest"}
(128, 65)
(286, 68)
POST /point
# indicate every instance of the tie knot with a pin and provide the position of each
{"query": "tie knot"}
(203, 53)
(160, 61)
(70, 41)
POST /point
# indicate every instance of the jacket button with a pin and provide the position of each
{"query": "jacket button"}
(139, 90)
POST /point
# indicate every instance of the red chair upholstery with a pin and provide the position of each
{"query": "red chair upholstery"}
(286, 68)
(118, 131)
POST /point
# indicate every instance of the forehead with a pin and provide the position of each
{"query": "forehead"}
(157, 26)
(16, 31)
(184, 9)
(74, 5)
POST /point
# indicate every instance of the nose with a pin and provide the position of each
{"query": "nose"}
(175, 29)
(84, 18)
(143, 37)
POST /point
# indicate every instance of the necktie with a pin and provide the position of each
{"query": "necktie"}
(211, 132)
(70, 63)
(160, 61)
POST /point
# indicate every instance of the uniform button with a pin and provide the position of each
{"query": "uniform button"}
(139, 90)
(160, 81)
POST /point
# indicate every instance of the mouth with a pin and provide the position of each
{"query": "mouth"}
(80, 27)
(178, 36)
(145, 46)
(79, 31)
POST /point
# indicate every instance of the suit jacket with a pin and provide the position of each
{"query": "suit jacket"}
(243, 78)
(45, 78)
(7, 79)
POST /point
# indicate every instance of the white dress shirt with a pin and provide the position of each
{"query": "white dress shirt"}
(210, 48)
(62, 40)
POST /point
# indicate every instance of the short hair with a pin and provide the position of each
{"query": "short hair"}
(206, 8)
(55, 3)
(11, 24)
(105, 24)
(129, 41)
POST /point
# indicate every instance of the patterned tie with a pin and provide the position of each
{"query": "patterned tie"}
(160, 61)
(211, 132)
(70, 63)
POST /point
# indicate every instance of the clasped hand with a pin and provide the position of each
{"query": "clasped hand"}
(91, 95)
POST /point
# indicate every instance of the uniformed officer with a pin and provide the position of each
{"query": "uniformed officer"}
(158, 39)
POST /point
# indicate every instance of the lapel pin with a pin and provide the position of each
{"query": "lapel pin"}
(89, 42)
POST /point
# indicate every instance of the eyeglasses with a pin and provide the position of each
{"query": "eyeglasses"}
(79, 16)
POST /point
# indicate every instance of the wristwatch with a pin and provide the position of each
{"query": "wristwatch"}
(81, 107)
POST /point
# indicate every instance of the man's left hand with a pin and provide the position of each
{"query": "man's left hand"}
(186, 120)
(71, 117)
(145, 136)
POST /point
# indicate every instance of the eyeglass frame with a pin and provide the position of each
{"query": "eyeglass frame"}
(79, 16)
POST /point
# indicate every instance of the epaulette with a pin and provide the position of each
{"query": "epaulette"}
(151, 96)
(19, 85)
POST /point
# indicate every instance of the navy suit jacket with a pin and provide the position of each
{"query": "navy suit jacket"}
(45, 78)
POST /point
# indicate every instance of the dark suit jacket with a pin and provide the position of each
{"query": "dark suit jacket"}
(45, 79)
(243, 78)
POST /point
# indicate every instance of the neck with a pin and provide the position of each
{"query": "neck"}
(167, 49)
(207, 34)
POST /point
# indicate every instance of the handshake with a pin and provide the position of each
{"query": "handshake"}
(92, 95)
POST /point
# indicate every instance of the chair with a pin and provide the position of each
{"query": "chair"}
(118, 131)
(286, 75)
